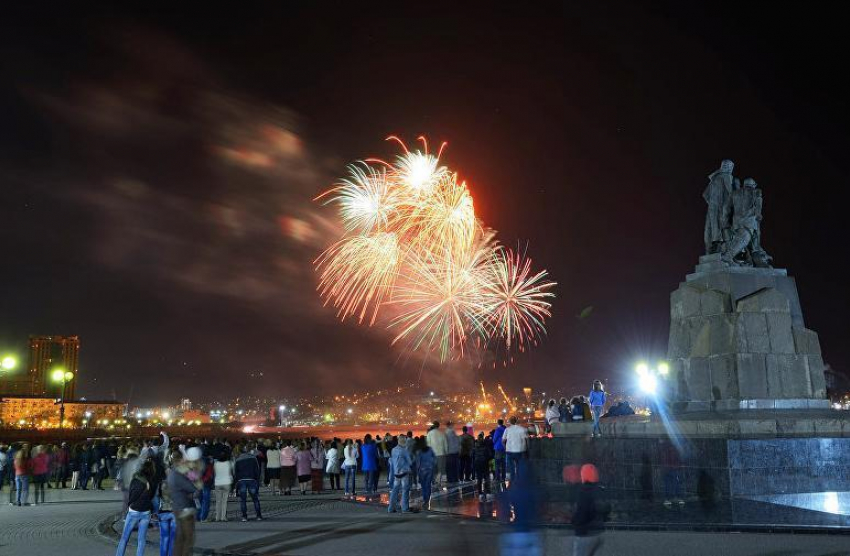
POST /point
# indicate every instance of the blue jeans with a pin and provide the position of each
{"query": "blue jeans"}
(167, 532)
(672, 484)
(371, 481)
(500, 466)
(426, 477)
(451, 468)
(85, 473)
(134, 518)
(390, 474)
(402, 484)
(251, 487)
(206, 496)
(351, 479)
(22, 484)
(596, 410)
(513, 459)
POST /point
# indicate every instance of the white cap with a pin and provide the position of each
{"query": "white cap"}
(193, 454)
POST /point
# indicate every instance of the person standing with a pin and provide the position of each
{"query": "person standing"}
(208, 482)
(349, 465)
(552, 415)
(586, 520)
(4, 465)
(273, 468)
(401, 466)
(482, 456)
(597, 405)
(437, 442)
(370, 463)
(317, 466)
(142, 490)
(167, 521)
(223, 469)
(287, 468)
(515, 440)
(452, 453)
(246, 472)
(332, 469)
(40, 471)
(499, 452)
(23, 470)
(467, 444)
(426, 465)
(85, 464)
(564, 411)
(302, 464)
(183, 491)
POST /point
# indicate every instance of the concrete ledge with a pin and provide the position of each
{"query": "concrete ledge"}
(769, 423)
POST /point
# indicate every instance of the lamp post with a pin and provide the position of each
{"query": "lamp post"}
(63, 377)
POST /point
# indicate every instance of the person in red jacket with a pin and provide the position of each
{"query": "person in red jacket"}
(40, 466)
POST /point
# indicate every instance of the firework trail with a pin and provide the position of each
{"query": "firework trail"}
(413, 241)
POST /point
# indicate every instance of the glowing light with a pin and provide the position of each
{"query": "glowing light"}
(663, 368)
(166, 416)
(648, 383)
(642, 369)
(8, 363)
(282, 408)
(413, 242)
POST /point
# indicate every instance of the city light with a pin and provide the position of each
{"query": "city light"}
(642, 368)
(282, 408)
(663, 368)
(8, 363)
(60, 375)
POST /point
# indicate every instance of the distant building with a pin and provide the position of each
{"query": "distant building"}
(185, 404)
(44, 412)
(47, 353)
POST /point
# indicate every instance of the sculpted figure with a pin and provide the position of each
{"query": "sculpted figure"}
(744, 244)
(718, 195)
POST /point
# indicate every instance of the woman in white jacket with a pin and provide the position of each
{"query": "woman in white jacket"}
(332, 469)
(349, 464)
(223, 473)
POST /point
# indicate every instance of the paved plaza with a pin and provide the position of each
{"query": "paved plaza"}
(84, 523)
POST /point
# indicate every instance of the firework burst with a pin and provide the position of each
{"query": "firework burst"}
(413, 242)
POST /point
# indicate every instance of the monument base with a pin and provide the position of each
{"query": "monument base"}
(740, 453)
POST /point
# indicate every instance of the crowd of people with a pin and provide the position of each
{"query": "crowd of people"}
(580, 408)
(173, 484)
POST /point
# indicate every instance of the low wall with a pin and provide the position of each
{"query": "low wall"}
(707, 466)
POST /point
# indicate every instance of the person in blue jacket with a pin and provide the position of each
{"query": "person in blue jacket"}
(369, 464)
(597, 404)
(499, 449)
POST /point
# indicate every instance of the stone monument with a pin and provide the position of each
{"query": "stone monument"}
(744, 402)
(737, 335)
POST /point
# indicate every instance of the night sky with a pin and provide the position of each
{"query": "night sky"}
(158, 169)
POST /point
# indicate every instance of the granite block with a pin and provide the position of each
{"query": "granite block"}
(724, 377)
(805, 341)
(779, 329)
(696, 372)
(714, 302)
(766, 300)
(757, 335)
(752, 376)
(699, 330)
(685, 302)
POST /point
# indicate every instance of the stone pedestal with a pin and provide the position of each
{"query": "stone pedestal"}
(738, 341)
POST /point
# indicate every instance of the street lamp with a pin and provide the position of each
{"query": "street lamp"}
(281, 408)
(8, 363)
(64, 377)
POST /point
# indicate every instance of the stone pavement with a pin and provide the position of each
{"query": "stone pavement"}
(78, 523)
